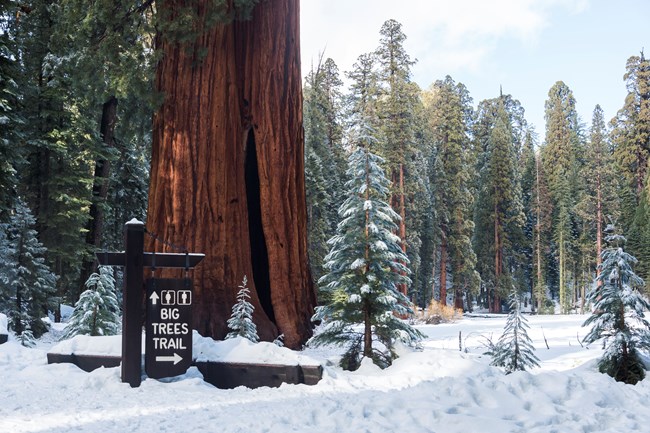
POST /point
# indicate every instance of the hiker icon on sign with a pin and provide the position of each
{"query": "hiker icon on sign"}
(184, 297)
(168, 297)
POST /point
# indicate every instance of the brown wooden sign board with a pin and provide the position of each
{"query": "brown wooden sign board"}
(134, 259)
(168, 330)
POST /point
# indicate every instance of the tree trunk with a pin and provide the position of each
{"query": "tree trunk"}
(227, 174)
(95, 224)
(498, 265)
(402, 224)
(443, 270)
(538, 225)
(599, 228)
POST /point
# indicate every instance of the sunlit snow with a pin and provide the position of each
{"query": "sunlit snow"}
(447, 387)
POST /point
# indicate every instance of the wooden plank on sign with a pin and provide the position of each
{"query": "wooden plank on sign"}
(161, 260)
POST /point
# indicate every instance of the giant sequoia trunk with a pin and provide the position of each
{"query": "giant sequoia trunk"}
(227, 175)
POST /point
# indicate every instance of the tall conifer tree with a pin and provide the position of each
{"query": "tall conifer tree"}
(396, 111)
(448, 110)
(560, 160)
(500, 210)
(366, 266)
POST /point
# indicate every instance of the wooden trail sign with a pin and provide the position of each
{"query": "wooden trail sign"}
(134, 259)
(168, 342)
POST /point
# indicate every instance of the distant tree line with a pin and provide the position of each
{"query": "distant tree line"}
(487, 206)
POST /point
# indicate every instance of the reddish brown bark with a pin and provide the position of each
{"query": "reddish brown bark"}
(498, 263)
(443, 270)
(227, 175)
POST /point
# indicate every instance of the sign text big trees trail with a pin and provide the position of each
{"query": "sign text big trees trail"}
(172, 320)
(168, 347)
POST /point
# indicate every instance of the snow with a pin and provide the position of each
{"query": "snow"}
(437, 389)
(3, 324)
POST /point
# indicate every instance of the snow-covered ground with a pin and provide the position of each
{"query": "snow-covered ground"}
(440, 389)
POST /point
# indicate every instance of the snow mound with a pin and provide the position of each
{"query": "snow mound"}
(241, 350)
(107, 345)
(203, 348)
(3, 324)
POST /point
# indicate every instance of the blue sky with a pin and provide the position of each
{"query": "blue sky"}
(523, 45)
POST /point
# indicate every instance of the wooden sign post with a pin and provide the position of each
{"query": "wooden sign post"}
(134, 259)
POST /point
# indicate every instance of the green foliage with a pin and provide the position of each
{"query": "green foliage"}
(631, 132)
(366, 264)
(448, 111)
(498, 212)
(10, 155)
(324, 157)
(618, 317)
(561, 163)
(97, 312)
(28, 284)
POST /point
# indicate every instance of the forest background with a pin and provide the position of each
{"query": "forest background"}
(488, 204)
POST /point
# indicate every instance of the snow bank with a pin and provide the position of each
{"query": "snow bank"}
(3, 324)
(203, 349)
(242, 350)
(108, 345)
(439, 389)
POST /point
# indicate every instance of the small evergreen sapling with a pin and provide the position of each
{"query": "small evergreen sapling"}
(514, 350)
(366, 264)
(97, 312)
(241, 321)
(618, 315)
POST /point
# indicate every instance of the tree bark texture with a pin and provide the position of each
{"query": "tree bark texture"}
(227, 174)
(443, 270)
(95, 224)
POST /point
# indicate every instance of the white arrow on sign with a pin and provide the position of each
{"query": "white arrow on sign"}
(154, 298)
(175, 359)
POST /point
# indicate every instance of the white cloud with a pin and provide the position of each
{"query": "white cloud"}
(445, 36)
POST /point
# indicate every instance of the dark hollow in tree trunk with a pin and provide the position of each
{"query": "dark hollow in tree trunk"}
(227, 173)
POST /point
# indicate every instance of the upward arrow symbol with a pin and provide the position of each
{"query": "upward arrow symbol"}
(154, 298)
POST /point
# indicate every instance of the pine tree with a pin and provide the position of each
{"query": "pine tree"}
(514, 350)
(639, 236)
(561, 166)
(631, 130)
(30, 283)
(366, 265)
(97, 312)
(543, 209)
(499, 209)
(10, 156)
(448, 108)
(241, 321)
(599, 198)
(618, 315)
(324, 157)
(528, 165)
(396, 110)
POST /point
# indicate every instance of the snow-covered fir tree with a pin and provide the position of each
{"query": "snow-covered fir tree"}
(366, 264)
(514, 349)
(241, 321)
(97, 312)
(618, 316)
(29, 284)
